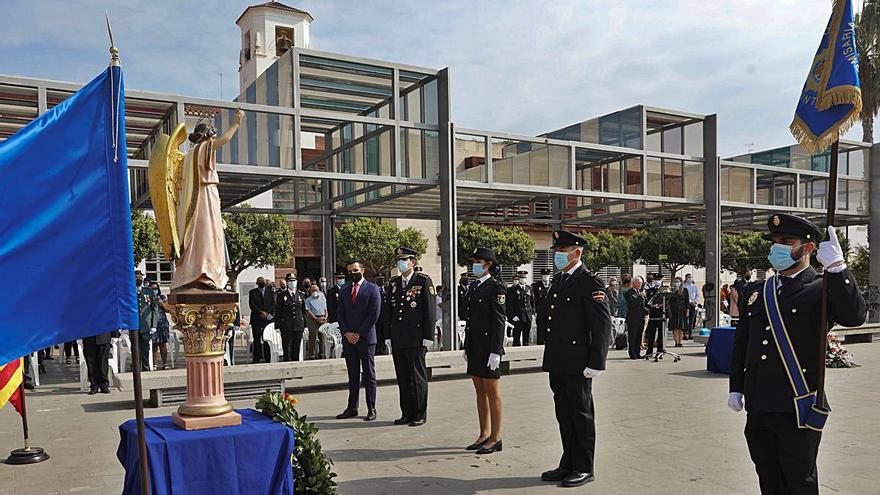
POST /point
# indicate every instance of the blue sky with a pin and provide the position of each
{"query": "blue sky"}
(516, 66)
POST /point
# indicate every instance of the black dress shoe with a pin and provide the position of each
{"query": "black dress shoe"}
(577, 479)
(476, 445)
(105, 390)
(371, 415)
(496, 447)
(348, 413)
(417, 422)
(93, 391)
(557, 474)
(401, 421)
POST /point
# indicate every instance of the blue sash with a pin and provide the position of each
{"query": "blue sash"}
(809, 414)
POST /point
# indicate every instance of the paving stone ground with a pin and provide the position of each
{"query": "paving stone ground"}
(663, 428)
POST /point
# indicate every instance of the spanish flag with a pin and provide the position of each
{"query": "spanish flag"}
(831, 99)
(10, 382)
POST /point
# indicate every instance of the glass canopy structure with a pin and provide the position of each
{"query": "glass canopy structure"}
(336, 136)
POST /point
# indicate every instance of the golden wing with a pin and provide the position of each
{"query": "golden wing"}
(166, 162)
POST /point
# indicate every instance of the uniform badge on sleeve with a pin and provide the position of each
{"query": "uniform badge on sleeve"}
(431, 290)
(501, 298)
(752, 298)
(599, 296)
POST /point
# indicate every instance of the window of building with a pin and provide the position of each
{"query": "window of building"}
(159, 270)
(246, 46)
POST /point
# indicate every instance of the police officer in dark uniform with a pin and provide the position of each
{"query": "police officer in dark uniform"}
(463, 283)
(782, 447)
(540, 290)
(148, 317)
(578, 335)
(411, 309)
(290, 318)
(520, 308)
(333, 296)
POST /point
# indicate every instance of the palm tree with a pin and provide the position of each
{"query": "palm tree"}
(868, 44)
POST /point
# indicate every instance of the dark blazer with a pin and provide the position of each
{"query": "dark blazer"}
(486, 320)
(360, 317)
(101, 338)
(540, 293)
(148, 308)
(520, 303)
(756, 370)
(290, 312)
(635, 305)
(578, 326)
(261, 300)
(332, 303)
(411, 311)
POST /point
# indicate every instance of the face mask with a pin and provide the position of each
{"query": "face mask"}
(780, 257)
(355, 276)
(315, 295)
(522, 281)
(291, 284)
(656, 283)
(340, 282)
(688, 280)
(545, 279)
(478, 270)
(560, 259)
(323, 285)
(676, 285)
(402, 266)
(138, 282)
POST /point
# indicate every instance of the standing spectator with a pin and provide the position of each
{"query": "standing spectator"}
(163, 329)
(261, 301)
(740, 286)
(635, 318)
(96, 352)
(520, 308)
(611, 294)
(322, 284)
(625, 285)
(316, 315)
(289, 318)
(484, 346)
(358, 312)
(307, 283)
(148, 318)
(282, 287)
(724, 297)
(382, 324)
(333, 296)
(693, 302)
(540, 291)
(677, 312)
(70, 350)
(462, 289)
(412, 309)
(656, 315)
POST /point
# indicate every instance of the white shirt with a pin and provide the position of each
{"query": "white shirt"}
(482, 279)
(405, 279)
(575, 267)
(792, 276)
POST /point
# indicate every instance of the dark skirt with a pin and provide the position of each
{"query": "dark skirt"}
(678, 311)
(477, 366)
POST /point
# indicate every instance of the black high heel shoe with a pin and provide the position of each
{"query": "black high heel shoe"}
(496, 447)
(476, 445)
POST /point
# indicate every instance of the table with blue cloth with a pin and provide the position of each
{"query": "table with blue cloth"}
(252, 458)
(719, 349)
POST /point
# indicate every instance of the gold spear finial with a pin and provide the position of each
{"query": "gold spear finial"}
(114, 52)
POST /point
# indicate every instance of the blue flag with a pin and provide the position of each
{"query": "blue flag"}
(66, 261)
(831, 99)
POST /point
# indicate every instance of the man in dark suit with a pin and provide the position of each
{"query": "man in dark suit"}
(463, 284)
(290, 318)
(148, 318)
(540, 290)
(578, 334)
(782, 445)
(635, 318)
(358, 312)
(96, 351)
(520, 308)
(261, 300)
(411, 307)
(333, 296)
(656, 315)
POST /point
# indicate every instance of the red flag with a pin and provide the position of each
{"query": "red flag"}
(11, 376)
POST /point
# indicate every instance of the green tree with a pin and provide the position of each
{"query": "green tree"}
(744, 251)
(375, 242)
(256, 240)
(606, 249)
(512, 246)
(859, 265)
(145, 236)
(672, 249)
(867, 23)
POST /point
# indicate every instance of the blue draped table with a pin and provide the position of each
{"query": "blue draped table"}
(719, 349)
(252, 458)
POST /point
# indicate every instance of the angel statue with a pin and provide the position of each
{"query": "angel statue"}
(183, 188)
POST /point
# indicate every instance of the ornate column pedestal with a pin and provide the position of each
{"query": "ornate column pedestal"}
(203, 318)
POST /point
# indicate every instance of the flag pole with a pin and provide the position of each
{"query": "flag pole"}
(134, 338)
(27, 455)
(823, 322)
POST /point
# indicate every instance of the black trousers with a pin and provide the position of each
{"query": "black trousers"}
(784, 455)
(359, 358)
(144, 341)
(541, 324)
(96, 356)
(691, 322)
(521, 331)
(655, 334)
(634, 329)
(412, 381)
(257, 350)
(291, 341)
(573, 399)
(71, 349)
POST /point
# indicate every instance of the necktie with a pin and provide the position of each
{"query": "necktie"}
(354, 293)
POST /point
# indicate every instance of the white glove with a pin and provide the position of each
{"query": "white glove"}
(464, 355)
(591, 373)
(427, 343)
(735, 401)
(516, 318)
(494, 361)
(830, 253)
(388, 343)
(152, 331)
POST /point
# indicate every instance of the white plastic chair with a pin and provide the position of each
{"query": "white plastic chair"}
(124, 351)
(508, 334)
(460, 331)
(84, 368)
(302, 345)
(35, 368)
(273, 337)
(724, 320)
(330, 340)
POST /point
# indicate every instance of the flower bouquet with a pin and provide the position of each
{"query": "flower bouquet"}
(836, 356)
